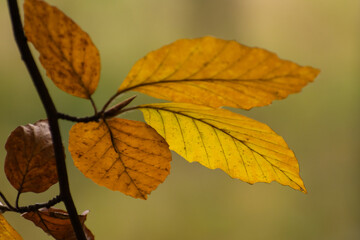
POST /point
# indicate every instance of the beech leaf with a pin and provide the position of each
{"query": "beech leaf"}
(215, 72)
(7, 232)
(122, 155)
(30, 164)
(217, 138)
(56, 222)
(67, 53)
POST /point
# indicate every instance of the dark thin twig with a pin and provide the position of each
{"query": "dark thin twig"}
(18, 198)
(7, 202)
(37, 206)
(79, 119)
(4, 209)
(112, 112)
(94, 105)
(52, 115)
(30, 208)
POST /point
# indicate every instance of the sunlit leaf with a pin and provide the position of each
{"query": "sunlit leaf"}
(30, 164)
(67, 53)
(215, 72)
(7, 232)
(123, 155)
(56, 222)
(217, 138)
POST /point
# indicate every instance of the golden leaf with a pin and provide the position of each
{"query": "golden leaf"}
(67, 53)
(30, 164)
(214, 72)
(7, 232)
(123, 155)
(217, 138)
(56, 222)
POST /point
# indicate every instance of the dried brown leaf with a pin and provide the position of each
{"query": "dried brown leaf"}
(56, 222)
(30, 164)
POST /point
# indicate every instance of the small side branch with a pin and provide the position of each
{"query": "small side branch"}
(37, 206)
(79, 119)
(30, 208)
(112, 112)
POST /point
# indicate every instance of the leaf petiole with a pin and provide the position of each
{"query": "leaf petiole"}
(112, 112)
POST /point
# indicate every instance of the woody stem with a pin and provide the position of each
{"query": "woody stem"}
(52, 116)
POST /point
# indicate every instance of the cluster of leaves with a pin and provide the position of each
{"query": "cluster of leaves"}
(197, 76)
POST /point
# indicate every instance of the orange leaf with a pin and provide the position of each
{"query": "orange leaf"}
(30, 164)
(67, 53)
(123, 155)
(7, 232)
(214, 72)
(56, 222)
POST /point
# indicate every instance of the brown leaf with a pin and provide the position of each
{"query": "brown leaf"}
(56, 222)
(7, 232)
(67, 53)
(215, 72)
(30, 164)
(123, 155)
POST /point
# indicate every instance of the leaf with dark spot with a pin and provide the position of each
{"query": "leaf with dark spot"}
(67, 53)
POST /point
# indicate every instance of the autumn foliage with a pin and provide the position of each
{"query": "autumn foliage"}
(197, 77)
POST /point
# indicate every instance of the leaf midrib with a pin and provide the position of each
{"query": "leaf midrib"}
(205, 80)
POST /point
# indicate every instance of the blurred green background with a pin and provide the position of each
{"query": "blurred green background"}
(321, 124)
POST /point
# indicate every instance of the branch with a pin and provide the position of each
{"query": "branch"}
(37, 206)
(112, 112)
(95, 117)
(30, 208)
(4, 209)
(51, 113)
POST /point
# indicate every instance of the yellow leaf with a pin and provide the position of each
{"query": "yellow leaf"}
(30, 164)
(7, 232)
(67, 53)
(217, 138)
(214, 72)
(123, 155)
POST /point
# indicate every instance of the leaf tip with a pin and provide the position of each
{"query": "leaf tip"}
(303, 189)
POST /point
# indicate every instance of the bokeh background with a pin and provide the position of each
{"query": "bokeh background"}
(321, 124)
